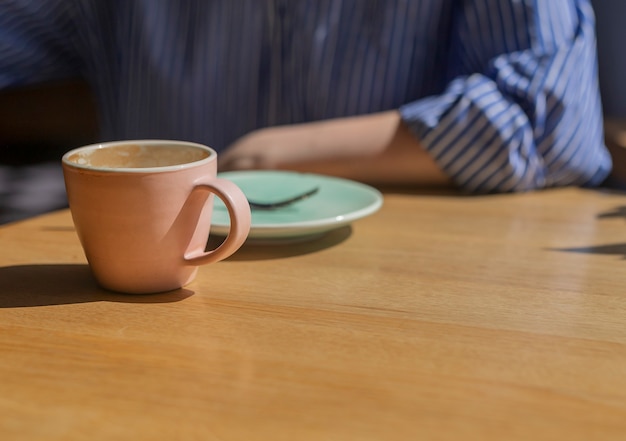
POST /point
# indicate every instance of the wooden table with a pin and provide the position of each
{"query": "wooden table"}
(438, 318)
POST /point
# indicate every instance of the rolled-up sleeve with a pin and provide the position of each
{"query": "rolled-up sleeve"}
(522, 108)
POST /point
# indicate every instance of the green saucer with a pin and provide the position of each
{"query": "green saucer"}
(337, 203)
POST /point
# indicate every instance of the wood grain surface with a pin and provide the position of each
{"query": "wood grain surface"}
(441, 317)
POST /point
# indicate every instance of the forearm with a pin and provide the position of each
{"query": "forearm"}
(375, 148)
(378, 149)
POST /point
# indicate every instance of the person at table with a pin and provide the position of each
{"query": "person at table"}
(490, 95)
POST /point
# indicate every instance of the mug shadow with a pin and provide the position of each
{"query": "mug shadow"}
(266, 249)
(63, 284)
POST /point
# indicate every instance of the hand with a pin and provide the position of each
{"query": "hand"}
(272, 148)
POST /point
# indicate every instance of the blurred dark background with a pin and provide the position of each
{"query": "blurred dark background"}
(37, 125)
(611, 34)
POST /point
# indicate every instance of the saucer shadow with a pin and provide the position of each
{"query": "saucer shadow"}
(618, 249)
(266, 249)
(48, 284)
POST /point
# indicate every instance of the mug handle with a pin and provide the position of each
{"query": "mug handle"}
(240, 221)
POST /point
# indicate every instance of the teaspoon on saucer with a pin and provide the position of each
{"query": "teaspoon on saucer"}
(283, 203)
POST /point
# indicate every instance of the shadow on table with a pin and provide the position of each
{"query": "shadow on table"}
(48, 284)
(266, 249)
(616, 212)
(618, 249)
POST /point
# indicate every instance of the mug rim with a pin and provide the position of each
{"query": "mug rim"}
(155, 142)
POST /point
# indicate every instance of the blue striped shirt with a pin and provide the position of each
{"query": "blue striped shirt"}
(502, 93)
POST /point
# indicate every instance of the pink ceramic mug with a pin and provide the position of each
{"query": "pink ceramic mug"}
(142, 210)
